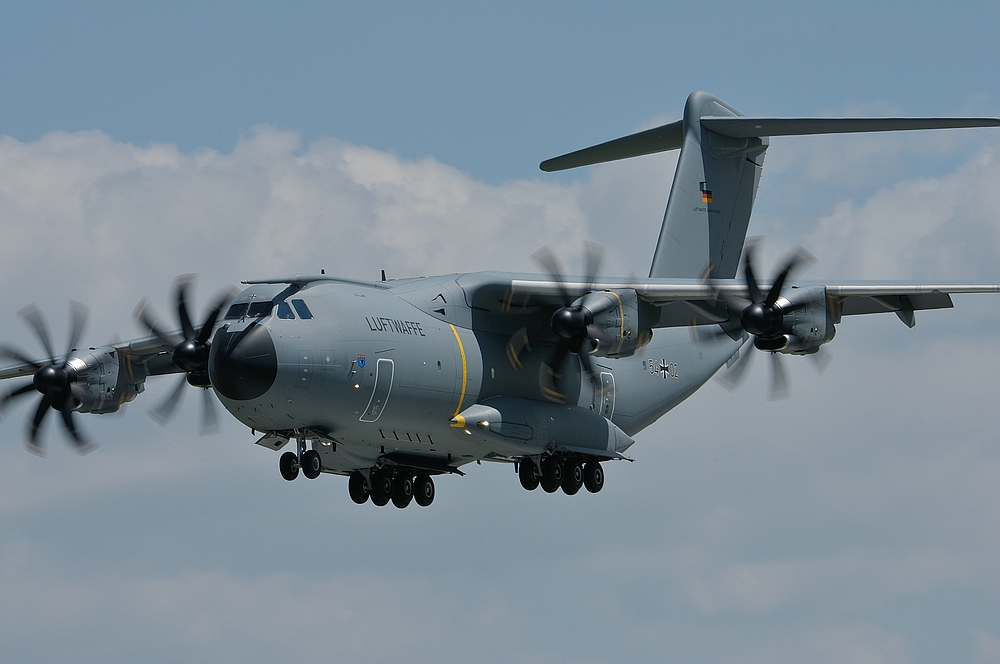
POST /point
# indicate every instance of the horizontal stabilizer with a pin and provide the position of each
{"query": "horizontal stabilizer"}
(744, 127)
(671, 136)
(668, 137)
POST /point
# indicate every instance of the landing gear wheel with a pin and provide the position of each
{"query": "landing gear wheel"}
(423, 490)
(358, 488)
(381, 487)
(311, 463)
(593, 476)
(402, 491)
(572, 477)
(528, 473)
(552, 474)
(288, 464)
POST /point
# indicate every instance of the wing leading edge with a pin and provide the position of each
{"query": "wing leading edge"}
(695, 302)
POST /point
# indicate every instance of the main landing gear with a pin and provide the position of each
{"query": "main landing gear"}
(384, 485)
(571, 473)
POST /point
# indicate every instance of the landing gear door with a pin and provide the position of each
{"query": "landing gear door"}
(604, 398)
(380, 395)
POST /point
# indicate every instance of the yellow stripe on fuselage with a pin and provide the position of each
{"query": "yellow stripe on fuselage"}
(465, 378)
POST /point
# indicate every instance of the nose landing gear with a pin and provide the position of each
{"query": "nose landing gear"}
(308, 461)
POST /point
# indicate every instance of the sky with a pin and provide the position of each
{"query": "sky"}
(859, 520)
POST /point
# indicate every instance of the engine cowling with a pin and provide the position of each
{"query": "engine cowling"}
(616, 330)
(105, 386)
(810, 325)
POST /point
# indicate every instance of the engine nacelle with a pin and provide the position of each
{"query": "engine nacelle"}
(105, 385)
(811, 325)
(616, 329)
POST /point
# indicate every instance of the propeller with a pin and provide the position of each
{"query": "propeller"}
(762, 317)
(572, 324)
(54, 378)
(192, 346)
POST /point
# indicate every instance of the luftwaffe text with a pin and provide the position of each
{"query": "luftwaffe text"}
(380, 324)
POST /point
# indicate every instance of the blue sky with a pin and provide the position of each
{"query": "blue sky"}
(856, 521)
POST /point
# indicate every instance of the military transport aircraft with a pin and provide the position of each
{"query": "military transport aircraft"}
(393, 382)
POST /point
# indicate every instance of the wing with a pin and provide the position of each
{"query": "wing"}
(682, 303)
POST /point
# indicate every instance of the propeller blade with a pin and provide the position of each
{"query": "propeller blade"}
(551, 376)
(142, 316)
(704, 334)
(821, 359)
(78, 316)
(733, 378)
(14, 394)
(588, 366)
(33, 318)
(800, 256)
(545, 258)
(779, 379)
(36, 425)
(182, 313)
(209, 418)
(162, 412)
(14, 354)
(593, 256)
(206, 330)
(517, 343)
(752, 287)
(83, 446)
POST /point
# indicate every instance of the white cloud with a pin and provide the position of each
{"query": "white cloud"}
(84, 214)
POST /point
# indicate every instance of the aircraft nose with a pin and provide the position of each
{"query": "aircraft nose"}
(243, 364)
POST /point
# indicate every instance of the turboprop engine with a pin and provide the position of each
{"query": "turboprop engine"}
(612, 321)
(807, 326)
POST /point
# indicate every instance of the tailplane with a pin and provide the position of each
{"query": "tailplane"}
(715, 182)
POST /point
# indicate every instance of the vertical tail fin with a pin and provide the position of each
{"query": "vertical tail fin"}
(711, 198)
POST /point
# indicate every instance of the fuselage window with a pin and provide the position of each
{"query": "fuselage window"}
(260, 309)
(237, 311)
(301, 309)
(285, 311)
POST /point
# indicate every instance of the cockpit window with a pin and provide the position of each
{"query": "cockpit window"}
(285, 311)
(260, 309)
(301, 309)
(237, 311)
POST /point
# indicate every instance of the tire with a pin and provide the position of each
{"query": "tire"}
(311, 464)
(358, 488)
(572, 477)
(402, 490)
(381, 490)
(423, 490)
(552, 475)
(593, 476)
(528, 473)
(288, 465)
